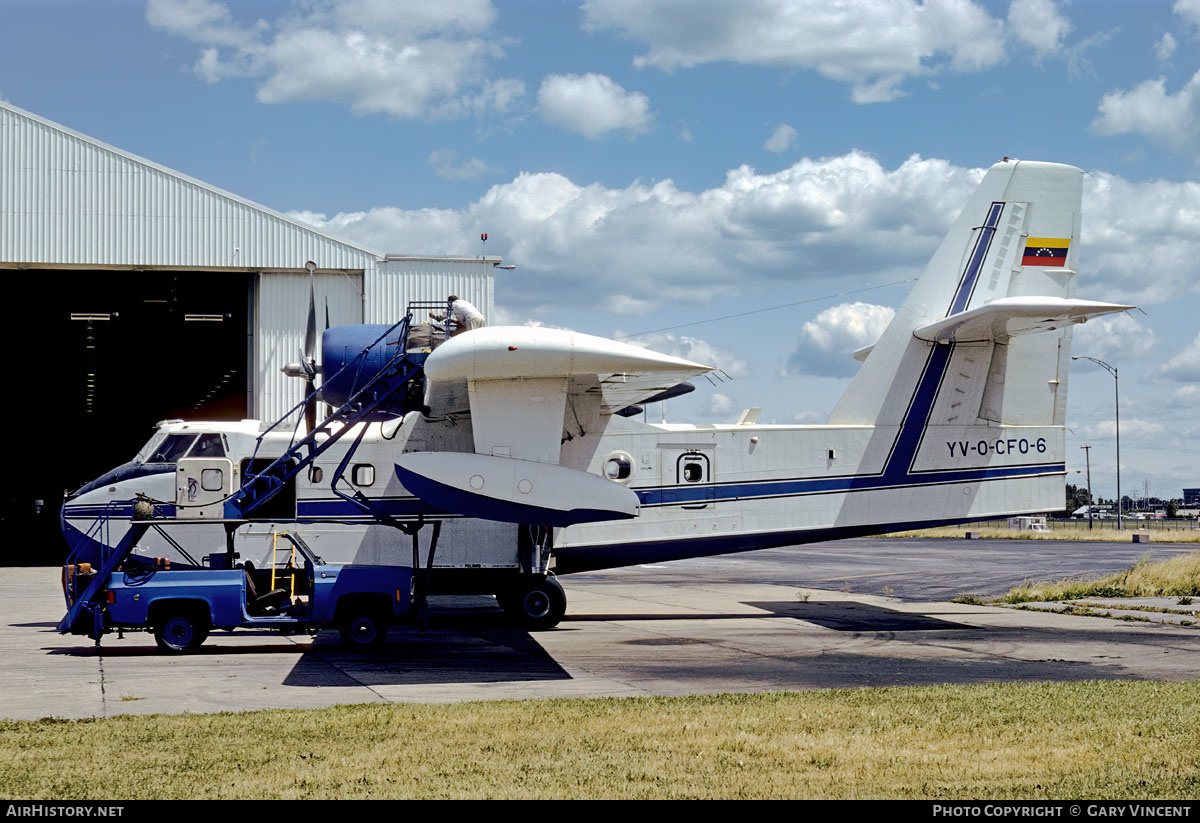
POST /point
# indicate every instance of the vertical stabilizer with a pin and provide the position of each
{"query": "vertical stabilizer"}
(1017, 237)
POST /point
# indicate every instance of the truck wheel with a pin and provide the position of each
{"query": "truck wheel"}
(363, 630)
(536, 603)
(180, 633)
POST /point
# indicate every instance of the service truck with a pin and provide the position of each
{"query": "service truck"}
(182, 603)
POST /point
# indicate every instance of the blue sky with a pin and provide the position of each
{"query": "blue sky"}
(651, 164)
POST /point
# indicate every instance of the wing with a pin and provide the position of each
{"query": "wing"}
(523, 387)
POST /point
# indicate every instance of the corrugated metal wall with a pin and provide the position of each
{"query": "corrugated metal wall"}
(280, 318)
(66, 199)
(69, 200)
(397, 281)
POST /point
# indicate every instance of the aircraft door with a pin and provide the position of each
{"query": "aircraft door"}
(202, 484)
(687, 474)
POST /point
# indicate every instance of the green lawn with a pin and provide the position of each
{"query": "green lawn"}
(1101, 739)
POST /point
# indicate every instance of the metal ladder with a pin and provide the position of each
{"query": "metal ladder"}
(377, 392)
(109, 560)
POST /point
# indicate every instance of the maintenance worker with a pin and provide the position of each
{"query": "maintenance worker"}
(464, 315)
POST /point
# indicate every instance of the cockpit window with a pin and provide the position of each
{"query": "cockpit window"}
(171, 449)
(208, 445)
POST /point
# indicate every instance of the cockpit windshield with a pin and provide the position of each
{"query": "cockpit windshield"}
(208, 445)
(171, 449)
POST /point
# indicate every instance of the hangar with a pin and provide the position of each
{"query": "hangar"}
(137, 294)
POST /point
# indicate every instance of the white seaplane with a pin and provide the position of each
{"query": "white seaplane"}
(508, 442)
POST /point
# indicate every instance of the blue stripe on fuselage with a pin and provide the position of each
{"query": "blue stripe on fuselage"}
(983, 242)
(833, 485)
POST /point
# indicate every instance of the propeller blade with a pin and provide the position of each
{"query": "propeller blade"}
(310, 406)
(310, 348)
(310, 332)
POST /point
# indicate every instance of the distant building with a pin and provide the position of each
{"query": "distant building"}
(1191, 497)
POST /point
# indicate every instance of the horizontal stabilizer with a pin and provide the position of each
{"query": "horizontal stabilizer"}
(1011, 316)
(513, 491)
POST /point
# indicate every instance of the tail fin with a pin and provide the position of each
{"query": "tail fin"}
(1006, 268)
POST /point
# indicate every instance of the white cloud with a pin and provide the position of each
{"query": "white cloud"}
(1185, 366)
(630, 249)
(1150, 110)
(1039, 25)
(315, 219)
(873, 45)
(1140, 241)
(446, 166)
(406, 59)
(624, 304)
(1187, 397)
(592, 105)
(719, 406)
(691, 348)
(1165, 48)
(781, 139)
(1189, 10)
(1132, 428)
(827, 341)
(1106, 336)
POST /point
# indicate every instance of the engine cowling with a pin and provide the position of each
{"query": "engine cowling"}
(345, 372)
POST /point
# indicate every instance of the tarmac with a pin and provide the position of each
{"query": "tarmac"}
(877, 615)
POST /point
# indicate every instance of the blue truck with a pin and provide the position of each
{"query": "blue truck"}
(181, 604)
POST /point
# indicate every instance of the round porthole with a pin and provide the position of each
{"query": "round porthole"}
(618, 467)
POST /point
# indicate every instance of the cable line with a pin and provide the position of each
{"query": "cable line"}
(768, 308)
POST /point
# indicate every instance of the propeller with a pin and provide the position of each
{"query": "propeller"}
(307, 367)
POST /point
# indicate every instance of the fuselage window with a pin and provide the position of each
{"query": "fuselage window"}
(619, 467)
(211, 480)
(364, 474)
(171, 449)
(208, 445)
(315, 474)
(692, 467)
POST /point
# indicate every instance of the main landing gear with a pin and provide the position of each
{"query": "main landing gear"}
(535, 602)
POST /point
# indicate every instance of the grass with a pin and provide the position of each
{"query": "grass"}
(1177, 576)
(1102, 739)
(1083, 611)
(1071, 532)
(1135, 608)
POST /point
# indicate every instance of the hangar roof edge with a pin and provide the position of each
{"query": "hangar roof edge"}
(100, 144)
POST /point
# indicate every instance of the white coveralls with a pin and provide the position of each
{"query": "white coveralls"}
(466, 317)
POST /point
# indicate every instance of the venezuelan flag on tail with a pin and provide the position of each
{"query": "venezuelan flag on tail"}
(1045, 251)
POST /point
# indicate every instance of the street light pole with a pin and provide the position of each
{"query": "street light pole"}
(1117, 409)
(1087, 456)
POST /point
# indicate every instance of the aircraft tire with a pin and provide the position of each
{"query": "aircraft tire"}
(536, 603)
(363, 630)
(180, 633)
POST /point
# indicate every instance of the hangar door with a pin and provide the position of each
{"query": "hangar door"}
(104, 355)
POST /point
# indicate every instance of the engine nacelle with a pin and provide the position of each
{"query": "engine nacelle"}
(345, 373)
